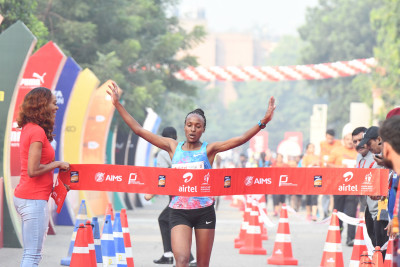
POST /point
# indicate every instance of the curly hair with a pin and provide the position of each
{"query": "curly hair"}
(199, 112)
(35, 109)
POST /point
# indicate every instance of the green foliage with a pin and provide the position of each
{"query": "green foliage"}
(23, 10)
(132, 42)
(339, 30)
(386, 21)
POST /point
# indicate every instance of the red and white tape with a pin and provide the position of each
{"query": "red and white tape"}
(278, 73)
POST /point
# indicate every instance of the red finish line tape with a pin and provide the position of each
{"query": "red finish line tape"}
(218, 182)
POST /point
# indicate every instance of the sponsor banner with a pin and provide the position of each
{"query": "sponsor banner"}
(259, 142)
(1, 212)
(100, 112)
(16, 45)
(76, 116)
(63, 92)
(216, 182)
(42, 70)
(143, 148)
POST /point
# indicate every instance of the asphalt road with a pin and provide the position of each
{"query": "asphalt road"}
(307, 239)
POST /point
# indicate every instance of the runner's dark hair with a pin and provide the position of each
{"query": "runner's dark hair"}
(199, 112)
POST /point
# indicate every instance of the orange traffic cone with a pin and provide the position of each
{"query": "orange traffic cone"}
(261, 206)
(239, 241)
(80, 218)
(127, 238)
(333, 256)
(90, 239)
(359, 245)
(80, 255)
(365, 261)
(237, 202)
(389, 254)
(282, 254)
(229, 197)
(252, 239)
(109, 211)
(377, 259)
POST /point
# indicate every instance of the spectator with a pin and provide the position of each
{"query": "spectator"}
(375, 221)
(242, 161)
(326, 147)
(345, 157)
(311, 160)
(278, 200)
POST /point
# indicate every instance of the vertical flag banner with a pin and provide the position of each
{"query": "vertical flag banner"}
(143, 149)
(74, 122)
(42, 70)
(117, 197)
(259, 142)
(16, 45)
(63, 91)
(95, 132)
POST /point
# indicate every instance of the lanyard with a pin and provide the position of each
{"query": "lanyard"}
(370, 166)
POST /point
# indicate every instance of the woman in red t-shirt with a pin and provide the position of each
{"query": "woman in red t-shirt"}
(36, 118)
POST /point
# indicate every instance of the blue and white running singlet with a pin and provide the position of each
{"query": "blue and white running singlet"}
(196, 159)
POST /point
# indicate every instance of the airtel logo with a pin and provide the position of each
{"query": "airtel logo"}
(187, 176)
(348, 176)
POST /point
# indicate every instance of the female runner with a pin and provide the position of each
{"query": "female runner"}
(191, 212)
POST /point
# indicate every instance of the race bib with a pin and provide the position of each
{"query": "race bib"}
(189, 165)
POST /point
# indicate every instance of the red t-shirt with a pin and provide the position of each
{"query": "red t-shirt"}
(38, 187)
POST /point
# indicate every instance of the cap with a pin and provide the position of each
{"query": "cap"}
(371, 133)
(347, 129)
(393, 112)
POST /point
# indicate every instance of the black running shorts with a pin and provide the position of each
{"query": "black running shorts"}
(203, 218)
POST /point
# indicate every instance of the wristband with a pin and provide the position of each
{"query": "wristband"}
(261, 125)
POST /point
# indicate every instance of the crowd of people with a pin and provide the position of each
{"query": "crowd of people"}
(359, 147)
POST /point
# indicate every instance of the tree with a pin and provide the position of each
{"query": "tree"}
(132, 42)
(338, 30)
(386, 22)
(23, 10)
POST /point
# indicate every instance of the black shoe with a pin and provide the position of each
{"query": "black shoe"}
(164, 260)
(350, 243)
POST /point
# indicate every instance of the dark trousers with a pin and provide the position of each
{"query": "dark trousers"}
(376, 230)
(347, 205)
(163, 222)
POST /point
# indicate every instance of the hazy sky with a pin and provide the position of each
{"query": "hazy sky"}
(278, 16)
